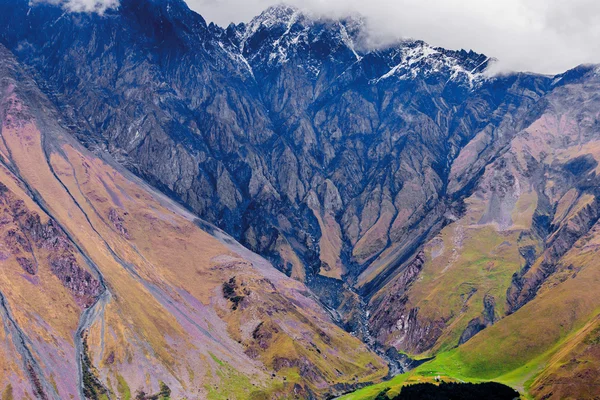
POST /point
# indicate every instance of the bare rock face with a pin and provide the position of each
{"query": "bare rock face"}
(392, 318)
(28, 265)
(118, 221)
(30, 239)
(478, 324)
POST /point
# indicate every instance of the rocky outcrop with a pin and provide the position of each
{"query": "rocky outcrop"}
(30, 238)
(478, 324)
(118, 220)
(28, 265)
(394, 322)
(574, 215)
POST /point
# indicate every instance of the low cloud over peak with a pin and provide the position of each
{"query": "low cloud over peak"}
(99, 6)
(544, 36)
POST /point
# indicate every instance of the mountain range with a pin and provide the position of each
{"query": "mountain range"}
(280, 208)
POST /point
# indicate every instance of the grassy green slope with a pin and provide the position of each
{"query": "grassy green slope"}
(552, 339)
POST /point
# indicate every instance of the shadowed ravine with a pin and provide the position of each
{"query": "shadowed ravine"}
(88, 318)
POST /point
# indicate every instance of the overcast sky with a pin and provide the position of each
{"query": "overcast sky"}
(545, 36)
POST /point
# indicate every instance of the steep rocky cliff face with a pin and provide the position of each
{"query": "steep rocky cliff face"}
(329, 158)
(110, 290)
(424, 202)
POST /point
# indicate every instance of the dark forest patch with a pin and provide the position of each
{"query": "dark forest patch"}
(454, 391)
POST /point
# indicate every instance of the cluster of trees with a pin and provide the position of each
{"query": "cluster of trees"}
(163, 394)
(452, 391)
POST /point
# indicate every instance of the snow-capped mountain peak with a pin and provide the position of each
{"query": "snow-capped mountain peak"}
(417, 58)
(283, 32)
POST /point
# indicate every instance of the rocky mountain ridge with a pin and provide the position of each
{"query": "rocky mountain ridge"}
(307, 156)
(366, 173)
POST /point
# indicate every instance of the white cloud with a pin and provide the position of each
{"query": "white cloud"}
(545, 36)
(99, 6)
